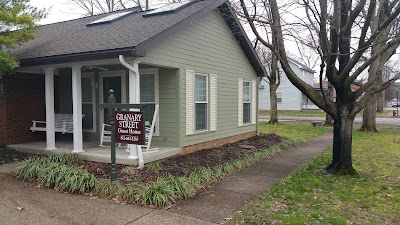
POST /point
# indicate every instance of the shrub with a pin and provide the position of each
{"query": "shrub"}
(159, 193)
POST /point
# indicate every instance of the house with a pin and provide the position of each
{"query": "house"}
(191, 58)
(289, 97)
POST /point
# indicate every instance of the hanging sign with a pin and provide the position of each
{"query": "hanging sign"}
(129, 127)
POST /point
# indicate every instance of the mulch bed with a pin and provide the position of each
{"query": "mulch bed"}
(182, 165)
(8, 155)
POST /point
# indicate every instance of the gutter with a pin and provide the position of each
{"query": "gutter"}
(138, 147)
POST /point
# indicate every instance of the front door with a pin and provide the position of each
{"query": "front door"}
(115, 81)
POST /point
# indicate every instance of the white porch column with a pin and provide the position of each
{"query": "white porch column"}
(134, 98)
(49, 91)
(77, 108)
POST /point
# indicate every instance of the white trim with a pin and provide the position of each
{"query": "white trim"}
(213, 102)
(201, 102)
(91, 75)
(240, 102)
(247, 102)
(189, 102)
(253, 101)
(154, 71)
(49, 90)
(119, 73)
(77, 108)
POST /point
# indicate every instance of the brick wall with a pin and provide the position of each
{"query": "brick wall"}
(216, 143)
(23, 100)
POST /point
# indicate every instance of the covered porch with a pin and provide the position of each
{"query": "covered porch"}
(95, 153)
(75, 90)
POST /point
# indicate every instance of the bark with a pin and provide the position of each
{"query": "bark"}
(380, 100)
(273, 103)
(342, 140)
(328, 118)
(368, 122)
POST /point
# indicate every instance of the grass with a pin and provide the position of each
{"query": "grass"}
(310, 196)
(60, 171)
(317, 113)
(294, 130)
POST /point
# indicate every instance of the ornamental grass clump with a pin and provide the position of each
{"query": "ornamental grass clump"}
(159, 193)
(107, 189)
(57, 171)
(182, 186)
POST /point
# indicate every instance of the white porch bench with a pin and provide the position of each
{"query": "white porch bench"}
(63, 123)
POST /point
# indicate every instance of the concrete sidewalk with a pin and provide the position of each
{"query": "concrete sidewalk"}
(23, 203)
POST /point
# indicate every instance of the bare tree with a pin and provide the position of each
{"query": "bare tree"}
(93, 7)
(270, 61)
(341, 49)
(377, 67)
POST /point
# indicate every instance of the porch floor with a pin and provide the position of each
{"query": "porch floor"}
(95, 153)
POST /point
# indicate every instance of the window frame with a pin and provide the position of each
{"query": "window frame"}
(92, 103)
(279, 99)
(154, 71)
(246, 102)
(201, 102)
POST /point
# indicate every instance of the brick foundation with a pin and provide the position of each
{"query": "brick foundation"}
(22, 101)
(216, 143)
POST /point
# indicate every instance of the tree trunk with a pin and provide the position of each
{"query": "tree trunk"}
(368, 122)
(342, 140)
(380, 101)
(273, 103)
(328, 120)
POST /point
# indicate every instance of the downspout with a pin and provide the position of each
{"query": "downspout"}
(131, 68)
(257, 107)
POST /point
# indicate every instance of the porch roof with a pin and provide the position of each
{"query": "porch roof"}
(132, 35)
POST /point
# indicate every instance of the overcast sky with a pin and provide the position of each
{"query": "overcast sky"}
(62, 10)
(59, 10)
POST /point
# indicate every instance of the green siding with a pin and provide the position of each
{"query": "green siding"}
(207, 46)
(168, 98)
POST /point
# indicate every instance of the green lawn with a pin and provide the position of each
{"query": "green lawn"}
(298, 129)
(310, 196)
(316, 113)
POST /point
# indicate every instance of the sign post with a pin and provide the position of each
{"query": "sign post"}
(126, 127)
(113, 175)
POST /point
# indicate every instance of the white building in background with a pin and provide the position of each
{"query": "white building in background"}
(289, 97)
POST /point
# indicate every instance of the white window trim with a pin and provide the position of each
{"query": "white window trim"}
(252, 100)
(247, 102)
(201, 102)
(91, 75)
(240, 102)
(189, 95)
(213, 102)
(156, 93)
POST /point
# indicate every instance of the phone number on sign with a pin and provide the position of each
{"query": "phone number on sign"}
(129, 138)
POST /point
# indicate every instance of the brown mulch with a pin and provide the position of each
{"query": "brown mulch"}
(182, 165)
(8, 155)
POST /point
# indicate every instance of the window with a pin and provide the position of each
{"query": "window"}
(88, 99)
(147, 95)
(278, 97)
(201, 101)
(246, 102)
